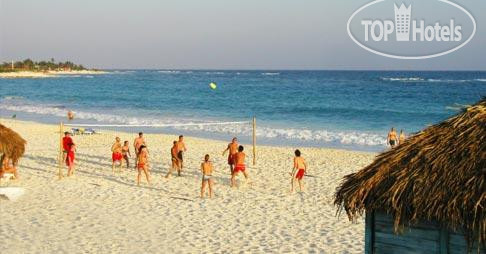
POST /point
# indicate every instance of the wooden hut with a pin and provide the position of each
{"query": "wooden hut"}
(428, 195)
(11, 144)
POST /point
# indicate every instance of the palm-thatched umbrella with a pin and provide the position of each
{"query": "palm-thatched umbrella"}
(11, 144)
(438, 174)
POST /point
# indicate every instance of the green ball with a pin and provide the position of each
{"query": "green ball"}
(212, 85)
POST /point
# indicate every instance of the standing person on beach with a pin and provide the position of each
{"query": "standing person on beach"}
(239, 166)
(143, 164)
(174, 160)
(401, 138)
(66, 141)
(70, 159)
(392, 138)
(126, 153)
(207, 172)
(233, 149)
(137, 143)
(181, 148)
(298, 171)
(116, 155)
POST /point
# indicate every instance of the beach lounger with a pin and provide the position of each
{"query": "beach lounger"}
(89, 131)
(11, 193)
(74, 131)
(82, 131)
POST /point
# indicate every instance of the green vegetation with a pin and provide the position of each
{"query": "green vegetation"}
(29, 65)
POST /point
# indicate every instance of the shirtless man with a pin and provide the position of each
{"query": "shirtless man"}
(300, 167)
(6, 168)
(239, 165)
(70, 159)
(116, 155)
(207, 172)
(70, 115)
(392, 138)
(137, 143)
(174, 160)
(233, 149)
(66, 140)
(143, 164)
(401, 138)
(126, 153)
(181, 148)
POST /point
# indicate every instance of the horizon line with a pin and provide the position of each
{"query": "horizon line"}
(230, 69)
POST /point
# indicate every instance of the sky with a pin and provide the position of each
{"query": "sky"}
(209, 34)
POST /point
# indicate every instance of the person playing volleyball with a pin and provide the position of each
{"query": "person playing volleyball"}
(137, 143)
(233, 149)
(116, 155)
(143, 164)
(126, 153)
(239, 166)
(181, 148)
(70, 159)
(207, 175)
(175, 163)
(300, 167)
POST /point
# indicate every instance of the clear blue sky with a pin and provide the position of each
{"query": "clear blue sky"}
(206, 34)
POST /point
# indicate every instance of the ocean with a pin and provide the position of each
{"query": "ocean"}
(339, 109)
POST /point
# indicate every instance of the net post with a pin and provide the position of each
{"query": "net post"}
(254, 141)
(61, 127)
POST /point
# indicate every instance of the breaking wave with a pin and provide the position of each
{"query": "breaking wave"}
(17, 104)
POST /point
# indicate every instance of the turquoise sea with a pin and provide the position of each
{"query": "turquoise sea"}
(344, 109)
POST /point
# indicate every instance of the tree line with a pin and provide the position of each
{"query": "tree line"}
(29, 65)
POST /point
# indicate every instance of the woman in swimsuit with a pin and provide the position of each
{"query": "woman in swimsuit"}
(207, 171)
(142, 165)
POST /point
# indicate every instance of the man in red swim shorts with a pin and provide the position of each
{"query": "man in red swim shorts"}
(70, 159)
(298, 172)
(66, 141)
(116, 155)
(233, 149)
(239, 166)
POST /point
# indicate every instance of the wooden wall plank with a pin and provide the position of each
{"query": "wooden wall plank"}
(422, 237)
(400, 241)
(428, 234)
(369, 232)
(381, 248)
(444, 241)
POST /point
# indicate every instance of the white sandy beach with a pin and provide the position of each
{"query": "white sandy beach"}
(48, 74)
(98, 212)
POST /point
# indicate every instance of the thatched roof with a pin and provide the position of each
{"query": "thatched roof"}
(438, 174)
(11, 144)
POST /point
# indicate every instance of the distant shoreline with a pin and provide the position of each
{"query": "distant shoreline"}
(47, 74)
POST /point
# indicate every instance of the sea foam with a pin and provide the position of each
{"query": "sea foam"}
(270, 132)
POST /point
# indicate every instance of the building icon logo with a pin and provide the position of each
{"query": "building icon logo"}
(403, 16)
(387, 28)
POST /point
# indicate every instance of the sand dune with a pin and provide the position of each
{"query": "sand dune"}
(98, 212)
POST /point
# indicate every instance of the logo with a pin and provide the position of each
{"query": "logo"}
(413, 30)
(402, 19)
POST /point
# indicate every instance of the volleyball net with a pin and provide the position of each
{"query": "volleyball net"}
(112, 130)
